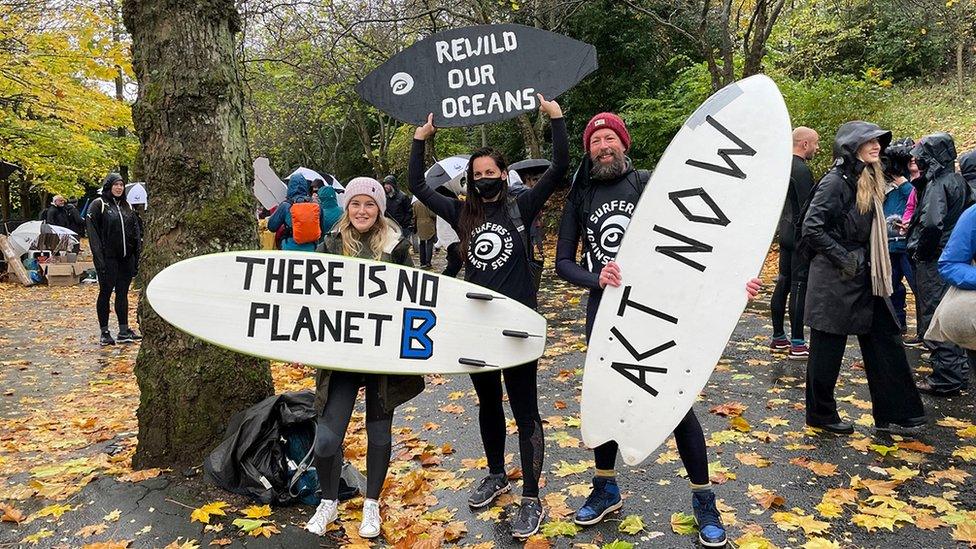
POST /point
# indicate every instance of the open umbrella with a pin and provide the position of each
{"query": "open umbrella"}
(25, 237)
(135, 193)
(311, 175)
(530, 166)
(448, 171)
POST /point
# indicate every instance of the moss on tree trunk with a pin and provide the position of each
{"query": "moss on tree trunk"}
(189, 117)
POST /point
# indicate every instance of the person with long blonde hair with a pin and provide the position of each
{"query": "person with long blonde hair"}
(849, 288)
(362, 232)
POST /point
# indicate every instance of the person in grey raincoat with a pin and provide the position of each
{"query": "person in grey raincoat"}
(849, 287)
(942, 195)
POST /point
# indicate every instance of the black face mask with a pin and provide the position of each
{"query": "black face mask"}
(488, 187)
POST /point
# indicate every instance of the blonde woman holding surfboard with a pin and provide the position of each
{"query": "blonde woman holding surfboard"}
(362, 232)
(493, 228)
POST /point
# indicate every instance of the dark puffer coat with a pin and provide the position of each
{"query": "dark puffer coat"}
(942, 195)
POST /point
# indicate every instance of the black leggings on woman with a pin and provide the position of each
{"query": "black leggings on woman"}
(520, 382)
(116, 276)
(691, 448)
(330, 429)
(688, 434)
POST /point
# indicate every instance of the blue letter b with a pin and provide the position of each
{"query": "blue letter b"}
(414, 331)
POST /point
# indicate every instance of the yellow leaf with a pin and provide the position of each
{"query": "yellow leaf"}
(55, 510)
(267, 531)
(113, 516)
(36, 538)
(188, 544)
(967, 453)
(829, 509)
(93, 530)
(683, 524)
(202, 514)
(752, 458)
(966, 532)
(257, 511)
(740, 424)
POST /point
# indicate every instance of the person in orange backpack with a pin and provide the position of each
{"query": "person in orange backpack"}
(300, 216)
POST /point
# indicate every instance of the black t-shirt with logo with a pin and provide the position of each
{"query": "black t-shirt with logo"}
(496, 257)
(597, 215)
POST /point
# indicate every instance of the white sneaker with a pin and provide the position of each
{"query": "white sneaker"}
(370, 527)
(325, 514)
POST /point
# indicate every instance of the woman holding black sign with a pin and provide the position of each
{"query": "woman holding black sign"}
(362, 232)
(493, 228)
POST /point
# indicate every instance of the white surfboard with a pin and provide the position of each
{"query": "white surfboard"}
(345, 313)
(700, 231)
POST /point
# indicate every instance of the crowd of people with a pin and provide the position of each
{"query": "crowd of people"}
(884, 216)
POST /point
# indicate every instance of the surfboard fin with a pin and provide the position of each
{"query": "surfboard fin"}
(483, 297)
(474, 362)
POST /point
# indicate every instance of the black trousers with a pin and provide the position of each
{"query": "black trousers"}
(790, 289)
(894, 397)
(426, 251)
(115, 276)
(688, 434)
(330, 430)
(520, 382)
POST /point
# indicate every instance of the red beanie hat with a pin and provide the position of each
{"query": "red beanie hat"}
(606, 120)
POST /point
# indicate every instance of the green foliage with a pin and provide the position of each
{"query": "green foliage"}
(56, 121)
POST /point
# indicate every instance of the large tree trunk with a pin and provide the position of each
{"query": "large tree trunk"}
(189, 117)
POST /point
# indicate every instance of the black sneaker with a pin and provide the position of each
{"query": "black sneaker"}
(129, 336)
(711, 532)
(488, 489)
(106, 339)
(910, 426)
(528, 519)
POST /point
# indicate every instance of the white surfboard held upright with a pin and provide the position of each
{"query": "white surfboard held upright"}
(345, 313)
(700, 231)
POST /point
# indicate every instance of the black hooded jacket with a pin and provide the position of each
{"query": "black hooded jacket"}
(398, 208)
(839, 296)
(113, 228)
(942, 195)
(967, 167)
(66, 216)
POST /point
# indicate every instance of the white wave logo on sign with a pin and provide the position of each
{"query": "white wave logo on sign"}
(491, 247)
(401, 83)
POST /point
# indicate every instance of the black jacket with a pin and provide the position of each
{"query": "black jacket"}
(967, 167)
(113, 229)
(801, 183)
(941, 195)
(66, 216)
(839, 296)
(398, 208)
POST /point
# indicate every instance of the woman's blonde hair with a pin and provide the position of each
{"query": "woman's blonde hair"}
(870, 187)
(377, 238)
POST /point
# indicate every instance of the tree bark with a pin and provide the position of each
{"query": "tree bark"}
(189, 118)
(960, 47)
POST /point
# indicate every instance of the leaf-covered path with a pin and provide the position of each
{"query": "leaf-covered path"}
(67, 432)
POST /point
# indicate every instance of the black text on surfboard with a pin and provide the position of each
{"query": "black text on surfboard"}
(639, 373)
(315, 277)
(715, 216)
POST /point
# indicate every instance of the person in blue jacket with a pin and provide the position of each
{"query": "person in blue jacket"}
(956, 262)
(329, 210)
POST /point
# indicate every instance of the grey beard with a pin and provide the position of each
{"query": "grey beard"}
(613, 170)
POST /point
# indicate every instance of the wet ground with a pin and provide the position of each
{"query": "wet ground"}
(880, 491)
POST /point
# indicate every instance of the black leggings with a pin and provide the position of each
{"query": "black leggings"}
(330, 429)
(688, 434)
(116, 275)
(791, 286)
(520, 382)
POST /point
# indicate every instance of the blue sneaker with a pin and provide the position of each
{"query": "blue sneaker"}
(603, 500)
(711, 533)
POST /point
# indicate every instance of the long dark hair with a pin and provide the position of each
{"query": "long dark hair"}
(473, 209)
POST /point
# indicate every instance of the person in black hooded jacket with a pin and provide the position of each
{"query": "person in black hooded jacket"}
(115, 238)
(849, 288)
(967, 167)
(942, 197)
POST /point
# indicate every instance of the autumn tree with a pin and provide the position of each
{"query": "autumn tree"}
(189, 119)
